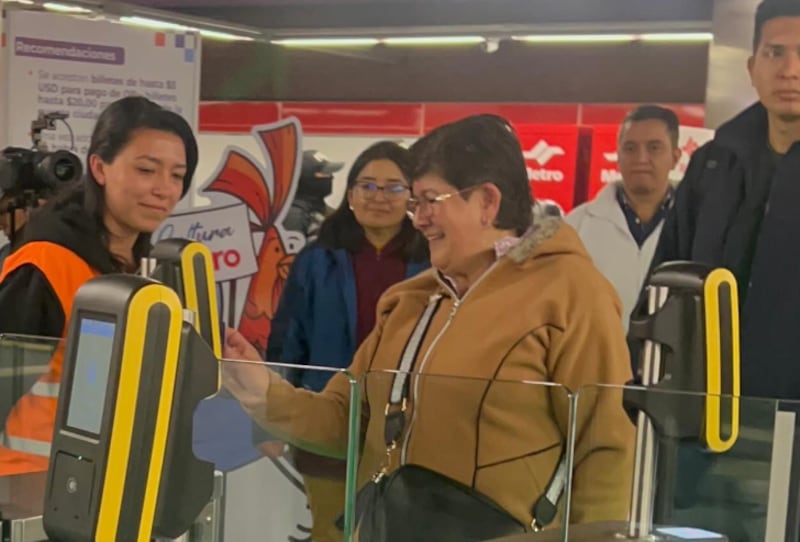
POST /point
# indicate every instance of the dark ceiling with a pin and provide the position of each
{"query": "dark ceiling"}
(629, 72)
(337, 16)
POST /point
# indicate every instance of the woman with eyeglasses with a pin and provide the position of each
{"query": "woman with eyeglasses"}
(466, 447)
(328, 305)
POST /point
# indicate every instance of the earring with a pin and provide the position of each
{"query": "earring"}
(484, 222)
(351, 207)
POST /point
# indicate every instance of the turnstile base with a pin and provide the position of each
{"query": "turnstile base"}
(599, 532)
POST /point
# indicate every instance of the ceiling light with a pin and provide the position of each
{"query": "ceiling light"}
(25, 2)
(575, 38)
(65, 8)
(675, 36)
(154, 24)
(224, 36)
(617, 38)
(157, 24)
(434, 40)
(326, 42)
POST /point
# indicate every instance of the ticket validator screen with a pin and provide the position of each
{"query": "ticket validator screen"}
(90, 380)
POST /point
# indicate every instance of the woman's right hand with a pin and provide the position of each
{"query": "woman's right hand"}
(236, 347)
(248, 382)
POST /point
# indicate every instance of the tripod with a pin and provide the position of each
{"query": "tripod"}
(26, 201)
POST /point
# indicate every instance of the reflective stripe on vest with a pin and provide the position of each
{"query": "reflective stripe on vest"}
(46, 389)
(30, 446)
(29, 426)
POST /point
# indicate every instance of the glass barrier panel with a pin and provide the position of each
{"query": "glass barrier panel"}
(283, 449)
(23, 360)
(693, 470)
(476, 456)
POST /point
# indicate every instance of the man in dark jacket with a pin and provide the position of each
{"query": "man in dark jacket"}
(737, 208)
(309, 209)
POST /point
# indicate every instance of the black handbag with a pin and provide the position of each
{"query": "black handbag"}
(416, 504)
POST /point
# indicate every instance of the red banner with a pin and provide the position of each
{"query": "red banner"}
(236, 117)
(355, 118)
(597, 114)
(603, 163)
(411, 119)
(551, 154)
(437, 114)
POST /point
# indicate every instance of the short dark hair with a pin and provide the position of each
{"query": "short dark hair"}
(654, 112)
(341, 230)
(772, 9)
(476, 150)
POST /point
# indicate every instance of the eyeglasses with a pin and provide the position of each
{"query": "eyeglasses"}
(392, 191)
(425, 204)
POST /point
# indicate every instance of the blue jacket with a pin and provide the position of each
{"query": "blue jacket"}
(315, 323)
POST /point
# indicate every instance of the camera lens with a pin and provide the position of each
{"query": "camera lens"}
(59, 167)
(64, 170)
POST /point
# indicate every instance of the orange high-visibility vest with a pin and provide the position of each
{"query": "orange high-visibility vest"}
(25, 442)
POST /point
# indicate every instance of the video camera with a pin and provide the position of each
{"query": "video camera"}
(29, 174)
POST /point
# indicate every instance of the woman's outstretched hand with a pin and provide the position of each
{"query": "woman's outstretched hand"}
(248, 379)
(236, 347)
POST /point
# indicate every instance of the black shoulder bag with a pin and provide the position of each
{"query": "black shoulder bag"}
(416, 503)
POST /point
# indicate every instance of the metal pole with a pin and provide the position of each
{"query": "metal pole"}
(640, 522)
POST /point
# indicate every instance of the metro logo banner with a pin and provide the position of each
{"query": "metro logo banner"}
(603, 167)
(551, 155)
(603, 163)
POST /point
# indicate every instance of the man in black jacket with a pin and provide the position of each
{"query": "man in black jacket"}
(737, 207)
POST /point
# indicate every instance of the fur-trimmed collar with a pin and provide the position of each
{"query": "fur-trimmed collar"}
(541, 230)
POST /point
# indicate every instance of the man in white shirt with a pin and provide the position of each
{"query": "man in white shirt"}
(622, 225)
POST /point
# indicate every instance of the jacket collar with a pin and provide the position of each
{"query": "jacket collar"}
(746, 133)
(605, 205)
(541, 230)
(606, 199)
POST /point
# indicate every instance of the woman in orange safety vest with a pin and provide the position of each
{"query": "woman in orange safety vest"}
(140, 163)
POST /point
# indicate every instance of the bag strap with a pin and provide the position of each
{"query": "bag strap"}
(401, 388)
(546, 506)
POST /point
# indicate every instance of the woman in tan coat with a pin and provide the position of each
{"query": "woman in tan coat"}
(509, 299)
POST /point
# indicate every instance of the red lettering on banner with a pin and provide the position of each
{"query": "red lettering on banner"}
(230, 258)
